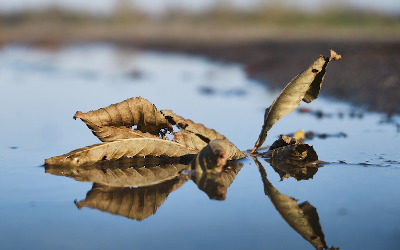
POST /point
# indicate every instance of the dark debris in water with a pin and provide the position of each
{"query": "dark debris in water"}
(391, 120)
(135, 74)
(310, 135)
(207, 90)
(392, 162)
(13, 147)
(384, 164)
(319, 114)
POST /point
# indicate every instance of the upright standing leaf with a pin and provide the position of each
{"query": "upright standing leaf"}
(305, 86)
(133, 111)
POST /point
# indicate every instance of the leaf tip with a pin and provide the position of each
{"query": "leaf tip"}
(334, 56)
(78, 114)
(48, 161)
(78, 204)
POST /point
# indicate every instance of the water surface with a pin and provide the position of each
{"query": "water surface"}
(355, 194)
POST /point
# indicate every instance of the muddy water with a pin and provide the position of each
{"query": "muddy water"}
(355, 194)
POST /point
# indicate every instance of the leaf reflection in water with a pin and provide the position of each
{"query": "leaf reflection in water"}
(216, 184)
(303, 217)
(126, 172)
(136, 187)
(133, 203)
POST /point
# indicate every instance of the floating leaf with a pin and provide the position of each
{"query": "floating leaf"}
(215, 185)
(206, 134)
(133, 203)
(123, 172)
(138, 147)
(295, 154)
(301, 168)
(290, 158)
(305, 86)
(133, 111)
(303, 218)
(214, 156)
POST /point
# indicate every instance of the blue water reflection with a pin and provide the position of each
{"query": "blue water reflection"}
(41, 90)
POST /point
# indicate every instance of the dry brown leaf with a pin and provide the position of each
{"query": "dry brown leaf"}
(137, 147)
(133, 111)
(305, 86)
(303, 218)
(196, 136)
(122, 172)
(111, 125)
(295, 154)
(111, 133)
(189, 140)
(133, 203)
(291, 158)
(206, 134)
(214, 156)
(215, 185)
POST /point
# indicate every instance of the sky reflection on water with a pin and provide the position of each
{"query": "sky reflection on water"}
(357, 204)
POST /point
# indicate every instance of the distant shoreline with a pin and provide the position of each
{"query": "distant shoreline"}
(368, 75)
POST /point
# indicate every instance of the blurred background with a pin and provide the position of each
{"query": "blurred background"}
(220, 63)
(273, 39)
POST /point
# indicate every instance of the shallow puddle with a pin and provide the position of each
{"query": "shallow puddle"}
(355, 193)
